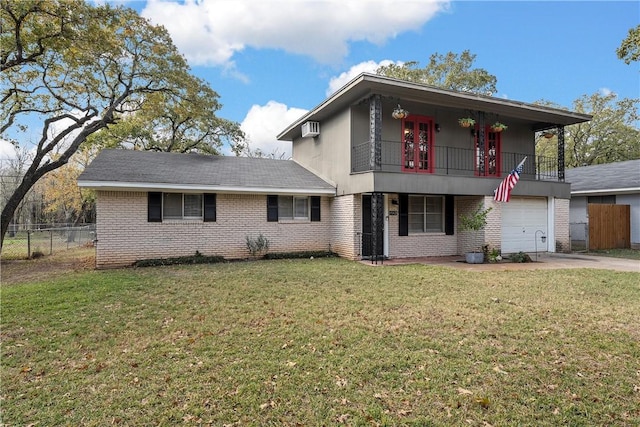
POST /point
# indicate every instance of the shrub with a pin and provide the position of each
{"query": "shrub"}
(258, 245)
(37, 254)
(198, 258)
(520, 257)
(492, 255)
(303, 254)
(474, 222)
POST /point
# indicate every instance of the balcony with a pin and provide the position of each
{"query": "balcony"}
(452, 161)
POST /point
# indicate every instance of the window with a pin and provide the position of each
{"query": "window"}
(426, 214)
(298, 208)
(293, 207)
(181, 206)
(163, 206)
(417, 144)
(488, 161)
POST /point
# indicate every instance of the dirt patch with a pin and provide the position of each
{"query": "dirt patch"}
(41, 269)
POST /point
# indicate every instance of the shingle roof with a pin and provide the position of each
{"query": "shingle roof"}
(145, 169)
(613, 177)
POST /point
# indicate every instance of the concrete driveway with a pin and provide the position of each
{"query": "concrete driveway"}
(544, 261)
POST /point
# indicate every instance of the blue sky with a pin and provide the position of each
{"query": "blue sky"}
(272, 60)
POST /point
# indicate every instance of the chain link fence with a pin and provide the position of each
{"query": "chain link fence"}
(22, 242)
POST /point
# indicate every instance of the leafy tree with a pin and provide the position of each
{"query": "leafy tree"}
(610, 136)
(167, 122)
(629, 50)
(62, 198)
(450, 71)
(78, 69)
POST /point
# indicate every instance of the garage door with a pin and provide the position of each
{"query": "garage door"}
(521, 218)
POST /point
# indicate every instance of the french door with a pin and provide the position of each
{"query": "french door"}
(417, 144)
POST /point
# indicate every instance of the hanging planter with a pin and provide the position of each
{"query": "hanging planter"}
(466, 122)
(399, 113)
(549, 134)
(498, 127)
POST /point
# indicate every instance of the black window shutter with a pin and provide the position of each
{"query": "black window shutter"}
(154, 207)
(315, 208)
(449, 219)
(209, 207)
(403, 214)
(272, 208)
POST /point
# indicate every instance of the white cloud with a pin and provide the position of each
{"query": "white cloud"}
(210, 32)
(7, 152)
(264, 122)
(364, 67)
(605, 91)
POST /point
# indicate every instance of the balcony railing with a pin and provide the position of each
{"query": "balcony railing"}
(452, 161)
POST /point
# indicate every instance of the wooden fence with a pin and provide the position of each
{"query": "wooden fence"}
(609, 226)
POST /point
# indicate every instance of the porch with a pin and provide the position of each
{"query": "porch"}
(455, 161)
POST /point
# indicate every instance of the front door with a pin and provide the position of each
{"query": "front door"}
(372, 236)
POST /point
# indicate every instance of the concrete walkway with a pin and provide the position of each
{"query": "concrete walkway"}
(544, 261)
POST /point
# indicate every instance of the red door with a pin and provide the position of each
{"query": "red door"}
(417, 144)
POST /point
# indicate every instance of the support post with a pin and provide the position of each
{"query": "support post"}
(481, 143)
(377, 226)
(375, 132)
(560, 153)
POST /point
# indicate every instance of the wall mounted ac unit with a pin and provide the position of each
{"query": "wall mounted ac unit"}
(310, 129)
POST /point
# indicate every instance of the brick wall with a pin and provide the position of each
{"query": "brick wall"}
(417, 245)
(346, 223)
(124, 235)
(469, 241)
(493, 229)
(561, 225)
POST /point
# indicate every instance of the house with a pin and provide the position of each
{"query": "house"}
(612, 183)
(381, 168)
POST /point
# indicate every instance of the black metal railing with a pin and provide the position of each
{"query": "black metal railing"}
(452, 161)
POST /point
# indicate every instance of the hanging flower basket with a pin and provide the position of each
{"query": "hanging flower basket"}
(466, 122)
(399, 113)
(498, 127)
(549, 134)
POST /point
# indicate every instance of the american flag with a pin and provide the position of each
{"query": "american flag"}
(503, 192)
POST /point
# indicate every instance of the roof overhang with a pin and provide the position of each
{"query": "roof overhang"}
(606, 192)
(365, 85)
(189, 188)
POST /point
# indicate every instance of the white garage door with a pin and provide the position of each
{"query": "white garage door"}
(521, 218)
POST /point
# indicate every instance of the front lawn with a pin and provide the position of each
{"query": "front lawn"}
(322, 342)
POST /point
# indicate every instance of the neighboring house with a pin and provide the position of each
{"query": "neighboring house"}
(379, 184)
(611, 183)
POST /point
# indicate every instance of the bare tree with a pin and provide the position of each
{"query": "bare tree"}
(77, 70)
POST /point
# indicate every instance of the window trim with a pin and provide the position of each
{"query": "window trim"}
(156, 207)
(182, 216)
(425, 214)
(313, 209)
(403, 214)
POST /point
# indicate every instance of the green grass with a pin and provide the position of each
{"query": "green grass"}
(617, 253)
(322, 342)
